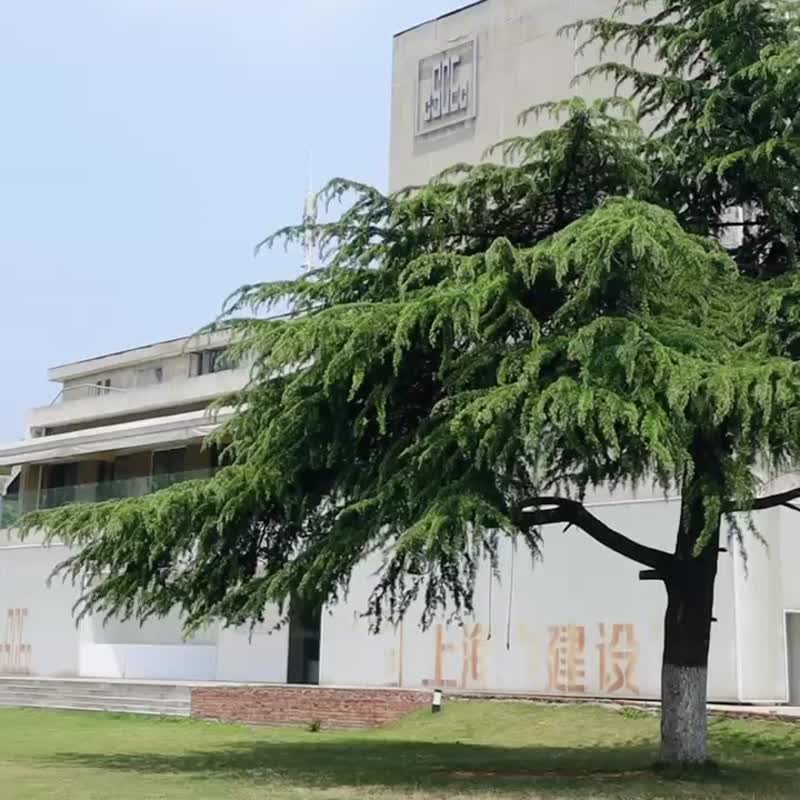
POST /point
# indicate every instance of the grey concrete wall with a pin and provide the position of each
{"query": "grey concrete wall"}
(521, 62)
(788, 557)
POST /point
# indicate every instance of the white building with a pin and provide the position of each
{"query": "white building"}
(123, 425)
(580, 622)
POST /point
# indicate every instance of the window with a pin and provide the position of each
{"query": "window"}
(304, 643)
(209, 361)
(149, 376)
(60, 484)
(168, 466)
(105, 481)
(102, 387)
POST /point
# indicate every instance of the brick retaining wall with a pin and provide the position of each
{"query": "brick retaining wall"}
(300, 705)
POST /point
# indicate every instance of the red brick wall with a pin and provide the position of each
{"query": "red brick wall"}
(300, 705)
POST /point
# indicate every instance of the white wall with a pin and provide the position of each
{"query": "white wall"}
(578, 586)
(38, 635)
(760, 611)
(260, 655)
(514, 639)
(148, 662)
(156, 631)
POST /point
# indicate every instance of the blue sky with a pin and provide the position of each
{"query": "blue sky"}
(146, 145)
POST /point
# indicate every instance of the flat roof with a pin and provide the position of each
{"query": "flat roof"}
(134, 355)
(442, 16)
(117, 353)
(137, 355)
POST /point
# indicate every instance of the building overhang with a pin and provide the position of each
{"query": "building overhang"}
(144, 400)
(177, 430)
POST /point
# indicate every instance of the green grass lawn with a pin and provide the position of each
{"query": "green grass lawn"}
(475, 750)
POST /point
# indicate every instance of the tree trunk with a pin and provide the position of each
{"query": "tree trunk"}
(687, 633)
(684, 672)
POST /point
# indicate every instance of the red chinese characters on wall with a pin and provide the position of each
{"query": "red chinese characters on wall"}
(15, 654)
(566, 661)
(600, 659)
(619, 658)
(472, 639)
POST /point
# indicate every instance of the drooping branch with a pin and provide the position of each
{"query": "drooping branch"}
(769, 501)
(537, 511)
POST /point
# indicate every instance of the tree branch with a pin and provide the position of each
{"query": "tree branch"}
(770, 501)
(537, 511)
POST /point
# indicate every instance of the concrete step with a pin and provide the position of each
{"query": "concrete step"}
(137, 691)
(35, 697)
(83, 695)
(113, 708)
(95, 699)
(99, 685)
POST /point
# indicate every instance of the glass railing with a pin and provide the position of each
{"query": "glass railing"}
(12, 507)
(9, 511)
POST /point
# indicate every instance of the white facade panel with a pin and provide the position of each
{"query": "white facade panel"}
(155, 631)
(148, 662)
(578, 622)
(260, 655)
(38, 635)
(760, 612)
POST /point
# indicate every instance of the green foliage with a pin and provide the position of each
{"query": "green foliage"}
(725, 104)
(559, 320)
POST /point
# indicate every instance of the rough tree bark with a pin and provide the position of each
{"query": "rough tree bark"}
(687, 636)
(689, 582)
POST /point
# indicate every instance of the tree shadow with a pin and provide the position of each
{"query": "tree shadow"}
(318, 762)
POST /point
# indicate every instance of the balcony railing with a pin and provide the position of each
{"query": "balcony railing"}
(202, 363)
(80, 391)
(12, 507)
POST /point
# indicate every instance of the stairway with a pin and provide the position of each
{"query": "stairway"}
(80, 694)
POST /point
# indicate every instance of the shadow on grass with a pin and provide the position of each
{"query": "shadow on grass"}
(397, 764)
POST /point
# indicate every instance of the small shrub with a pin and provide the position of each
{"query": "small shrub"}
(315, 726)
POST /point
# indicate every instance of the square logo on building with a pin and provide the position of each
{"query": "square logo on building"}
(447, 87)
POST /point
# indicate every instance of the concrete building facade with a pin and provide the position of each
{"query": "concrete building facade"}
(122, 425)
(578, 622)
(461, 81)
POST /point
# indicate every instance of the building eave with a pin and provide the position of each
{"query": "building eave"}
(440, 17)
(176, 429)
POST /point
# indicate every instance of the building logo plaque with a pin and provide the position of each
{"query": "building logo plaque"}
(447, 87)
